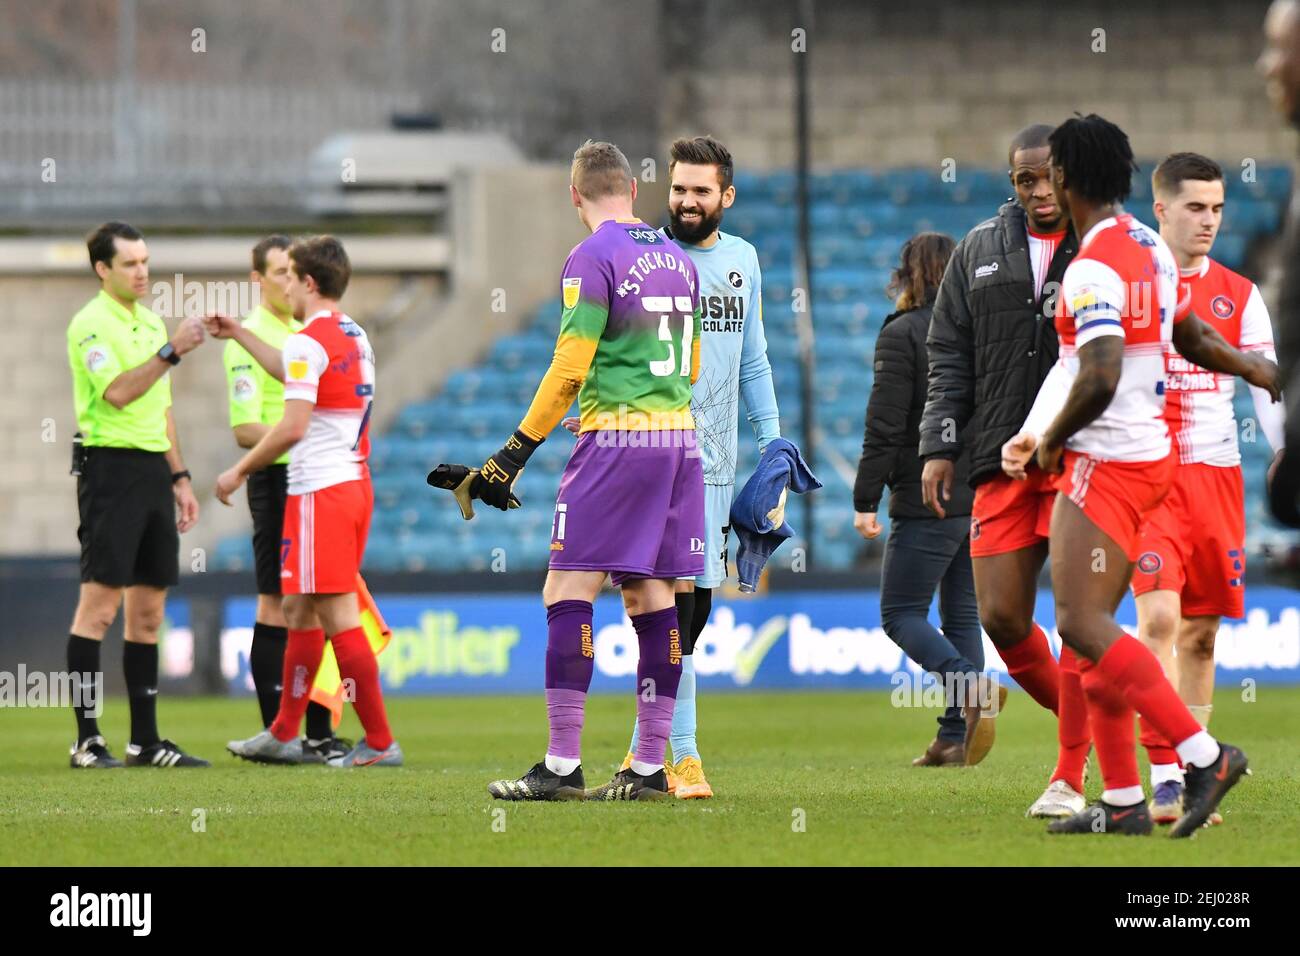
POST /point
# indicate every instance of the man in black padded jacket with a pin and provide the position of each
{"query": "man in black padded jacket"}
(991, 344)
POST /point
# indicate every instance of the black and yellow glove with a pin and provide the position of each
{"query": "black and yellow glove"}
(496, 479)
(459, 480)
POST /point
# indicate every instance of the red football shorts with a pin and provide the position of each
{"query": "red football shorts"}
(1117, 496)
(324, 538)
(1008, 515)
(1195, 543)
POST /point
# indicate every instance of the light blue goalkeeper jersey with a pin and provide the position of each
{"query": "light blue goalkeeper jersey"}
(733, 356)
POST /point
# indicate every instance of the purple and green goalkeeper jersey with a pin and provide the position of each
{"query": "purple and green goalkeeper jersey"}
(633, 295)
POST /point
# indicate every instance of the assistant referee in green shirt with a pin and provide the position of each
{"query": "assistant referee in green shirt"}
(131, 484)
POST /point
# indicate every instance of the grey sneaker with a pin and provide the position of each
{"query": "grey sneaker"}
(92, 754)
(265, 748)
(363, 755)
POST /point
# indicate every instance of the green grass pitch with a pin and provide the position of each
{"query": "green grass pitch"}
(801, 778)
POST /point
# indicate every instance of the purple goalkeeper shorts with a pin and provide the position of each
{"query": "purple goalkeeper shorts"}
(632, 504)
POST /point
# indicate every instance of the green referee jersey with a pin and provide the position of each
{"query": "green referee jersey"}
(106, 339)
(256, 396)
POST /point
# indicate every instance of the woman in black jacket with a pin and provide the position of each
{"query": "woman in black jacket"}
(923, 552)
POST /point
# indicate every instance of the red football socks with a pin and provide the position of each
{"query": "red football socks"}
(1034, 668)
(1111, 720)
(1136, 673)
(302, 654)
(1158, 750)
(357, 663)
(1072, 731)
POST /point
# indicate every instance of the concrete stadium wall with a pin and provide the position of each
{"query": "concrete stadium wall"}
(915, 83)
(38, 505)
(511, 233)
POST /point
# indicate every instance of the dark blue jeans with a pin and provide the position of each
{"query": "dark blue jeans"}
(923, 554)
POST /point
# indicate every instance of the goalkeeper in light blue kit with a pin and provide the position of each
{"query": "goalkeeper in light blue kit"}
(733, 364)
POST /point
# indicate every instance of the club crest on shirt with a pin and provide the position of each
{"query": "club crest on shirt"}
(1222, 307)
(735, 279)
(95, 359)
(1149, 563)
(572, 287)
(242, 388)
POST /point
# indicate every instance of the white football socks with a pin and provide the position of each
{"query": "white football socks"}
(1123, 797)
(1199, 750)
(1165, 773)
(562, 765)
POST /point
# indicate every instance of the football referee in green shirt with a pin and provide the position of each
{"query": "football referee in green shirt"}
(131, 483)
(256, 404)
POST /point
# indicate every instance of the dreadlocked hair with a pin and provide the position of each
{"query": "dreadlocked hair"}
(1095, 156)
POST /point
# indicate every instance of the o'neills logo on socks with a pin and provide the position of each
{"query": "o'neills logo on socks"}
(674, 646)
(132, 910)
(588, 650)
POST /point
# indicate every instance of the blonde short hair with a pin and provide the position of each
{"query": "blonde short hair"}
(599, 170)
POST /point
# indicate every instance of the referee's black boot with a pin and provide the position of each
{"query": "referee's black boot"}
(92, 754)
(162, 754)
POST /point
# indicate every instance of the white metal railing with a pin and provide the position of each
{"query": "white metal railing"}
(62, 143)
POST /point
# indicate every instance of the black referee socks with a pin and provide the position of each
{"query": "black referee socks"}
(266, 661)
(318, 722)
(140, 664)
(83, 665)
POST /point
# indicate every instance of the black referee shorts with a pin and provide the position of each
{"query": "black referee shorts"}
(128, 519)
(266, 493)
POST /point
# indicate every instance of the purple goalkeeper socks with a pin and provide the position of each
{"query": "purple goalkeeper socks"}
(564, 712)
(658, 673)
(570, 657)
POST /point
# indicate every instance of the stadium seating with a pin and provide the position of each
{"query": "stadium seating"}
(860, 218)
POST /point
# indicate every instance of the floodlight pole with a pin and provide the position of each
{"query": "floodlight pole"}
(803, 268)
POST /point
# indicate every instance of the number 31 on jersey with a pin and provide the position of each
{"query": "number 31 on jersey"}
(666, 306)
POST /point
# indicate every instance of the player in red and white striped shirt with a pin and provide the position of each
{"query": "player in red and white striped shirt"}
(1107, 439)
(1192, 563)
(329, 384)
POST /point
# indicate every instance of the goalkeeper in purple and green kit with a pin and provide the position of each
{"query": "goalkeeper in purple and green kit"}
(631, 502)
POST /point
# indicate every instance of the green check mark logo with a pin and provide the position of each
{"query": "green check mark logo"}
(750, 657)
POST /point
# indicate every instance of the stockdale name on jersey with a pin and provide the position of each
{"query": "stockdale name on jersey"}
(653, 262)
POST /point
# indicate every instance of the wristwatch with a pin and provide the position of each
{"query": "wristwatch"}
(178, 475)
(168, 354)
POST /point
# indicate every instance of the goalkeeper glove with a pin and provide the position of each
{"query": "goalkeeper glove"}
(497, 477)
(458, 480)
